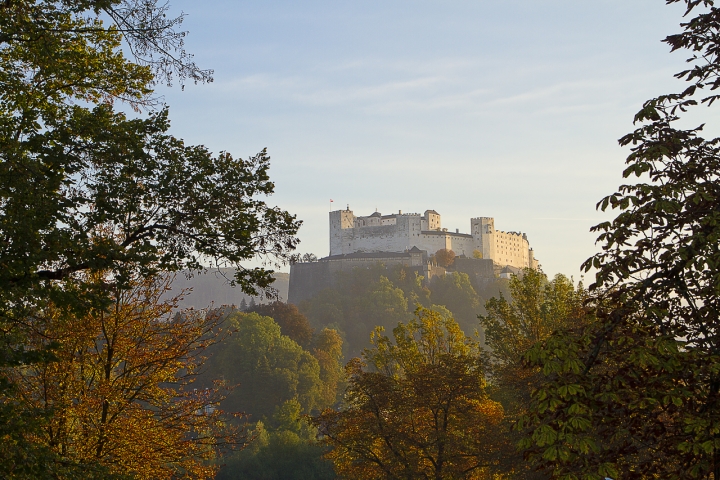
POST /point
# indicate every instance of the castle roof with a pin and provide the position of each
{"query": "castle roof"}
(432, 211)
(376, 214)
(452, 234)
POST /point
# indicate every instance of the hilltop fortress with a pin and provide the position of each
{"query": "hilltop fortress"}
(410, 240)
(402, 231)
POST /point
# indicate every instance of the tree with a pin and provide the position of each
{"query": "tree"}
(309, 258)
(412, 285)
(75, 174)
(635, 393)
(292, 323)
(277, 383)
(85, 189)
(536, 309)
(444, 257)
(287, 451)
(385, 304)
(326, 346)
(267, 367)
(455, 291)
(416, 408)
(119, 393)
(327, 350)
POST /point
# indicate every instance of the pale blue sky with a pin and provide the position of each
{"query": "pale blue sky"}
(510, 109)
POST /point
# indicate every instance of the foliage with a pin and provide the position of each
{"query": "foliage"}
(269, 368)
(119, 391)
(639, 412)
(455, 291)
(444, 257)
(634, 394)
(280, 454)
(326, 346)
(537, 309)
(85, 189)
(292, 323)
(360, 300)
(277, 382)
(416, 408)
(327, 349)
(386, 303)
(383, 296)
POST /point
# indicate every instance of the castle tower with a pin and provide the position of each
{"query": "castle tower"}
(483, 232)
(342, 223)
(431, 221)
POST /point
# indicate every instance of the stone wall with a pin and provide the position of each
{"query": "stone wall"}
(480, 271)
(512, 248)
(308, 279)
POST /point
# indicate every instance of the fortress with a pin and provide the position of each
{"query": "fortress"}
(402, 231)
(410, 240)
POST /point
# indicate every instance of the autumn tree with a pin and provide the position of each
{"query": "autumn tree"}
(328, 350)
(86, 189)
(537, 308)
(444, 257)
(119, 392)
(635, 394)
(292, 323)
(416, 407)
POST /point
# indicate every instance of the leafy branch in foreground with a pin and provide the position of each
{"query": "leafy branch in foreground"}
(84, 189)
(636, 393)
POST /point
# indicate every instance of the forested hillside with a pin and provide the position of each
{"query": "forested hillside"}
(368, 297)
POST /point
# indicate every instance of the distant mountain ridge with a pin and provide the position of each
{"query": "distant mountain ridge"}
(212, 289)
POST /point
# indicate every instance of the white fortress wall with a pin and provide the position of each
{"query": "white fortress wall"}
(401, 232)
(460, 243)
(512, 248)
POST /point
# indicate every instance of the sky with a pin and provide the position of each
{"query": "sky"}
(504, 109)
